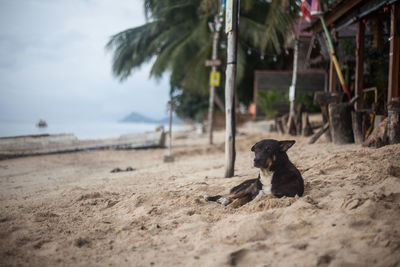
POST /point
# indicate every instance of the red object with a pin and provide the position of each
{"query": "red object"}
(310, 8)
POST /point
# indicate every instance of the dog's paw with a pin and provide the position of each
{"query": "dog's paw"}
(224, 201)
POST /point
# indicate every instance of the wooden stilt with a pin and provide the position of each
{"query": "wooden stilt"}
(340, 123)
(357, 122)
(359, 63)
(307, 129)
(393, 125)
(394, 54)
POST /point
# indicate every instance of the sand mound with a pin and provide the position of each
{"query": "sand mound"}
(70, 210)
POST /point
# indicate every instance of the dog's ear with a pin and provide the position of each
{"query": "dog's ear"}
(286, 144)
(252, 148)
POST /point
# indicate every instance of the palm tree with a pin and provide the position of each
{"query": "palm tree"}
(178, 37)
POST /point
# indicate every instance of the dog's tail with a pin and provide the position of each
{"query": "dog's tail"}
(212, 198)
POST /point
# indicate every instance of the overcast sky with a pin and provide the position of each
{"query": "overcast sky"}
(53, 63)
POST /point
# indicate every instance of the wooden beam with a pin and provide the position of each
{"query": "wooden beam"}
(360, 37)
(394, 54)
(336, 13)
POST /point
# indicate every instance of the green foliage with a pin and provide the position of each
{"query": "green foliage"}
(308, 100)
(190, 105)
(270, 100)
(177, 36)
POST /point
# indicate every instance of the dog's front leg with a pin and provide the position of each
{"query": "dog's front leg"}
(240, 202)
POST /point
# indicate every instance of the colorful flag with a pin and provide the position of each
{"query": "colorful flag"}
(310, 8)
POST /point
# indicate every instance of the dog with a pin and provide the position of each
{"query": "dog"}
(278, 176)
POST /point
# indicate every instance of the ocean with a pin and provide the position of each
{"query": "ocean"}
(82, 130)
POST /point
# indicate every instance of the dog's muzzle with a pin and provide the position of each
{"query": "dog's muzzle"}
(259, 163)
(262, 163)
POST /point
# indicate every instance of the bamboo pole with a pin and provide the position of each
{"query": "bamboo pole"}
(230, 153)
(334, 59)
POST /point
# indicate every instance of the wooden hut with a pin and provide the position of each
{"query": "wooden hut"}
(370, 29)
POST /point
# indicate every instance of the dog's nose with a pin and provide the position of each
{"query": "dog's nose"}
(257, 161)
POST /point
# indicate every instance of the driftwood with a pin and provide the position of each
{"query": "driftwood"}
(378, 137)
(319, 133)
(11, 147)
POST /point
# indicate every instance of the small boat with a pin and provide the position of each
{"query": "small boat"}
(41, 124)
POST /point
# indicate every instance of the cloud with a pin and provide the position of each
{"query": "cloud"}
(53, 62)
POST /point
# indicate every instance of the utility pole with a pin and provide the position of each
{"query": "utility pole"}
(292, 89)
(231, 28)
(213, 63)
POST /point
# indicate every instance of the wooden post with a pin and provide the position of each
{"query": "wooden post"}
(169, 157)
(292, 89)
(340, 123)
(356, 119)
(393, 124)
(394, 54)
(307, 129)
(171, 104)
(231, 21)
(212, 88)
(359, 63)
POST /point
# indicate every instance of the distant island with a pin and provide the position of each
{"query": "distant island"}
(137, 117)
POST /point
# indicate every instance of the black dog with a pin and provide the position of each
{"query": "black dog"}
(278, 176)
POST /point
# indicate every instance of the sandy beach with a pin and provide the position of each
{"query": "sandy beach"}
(71, 210)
